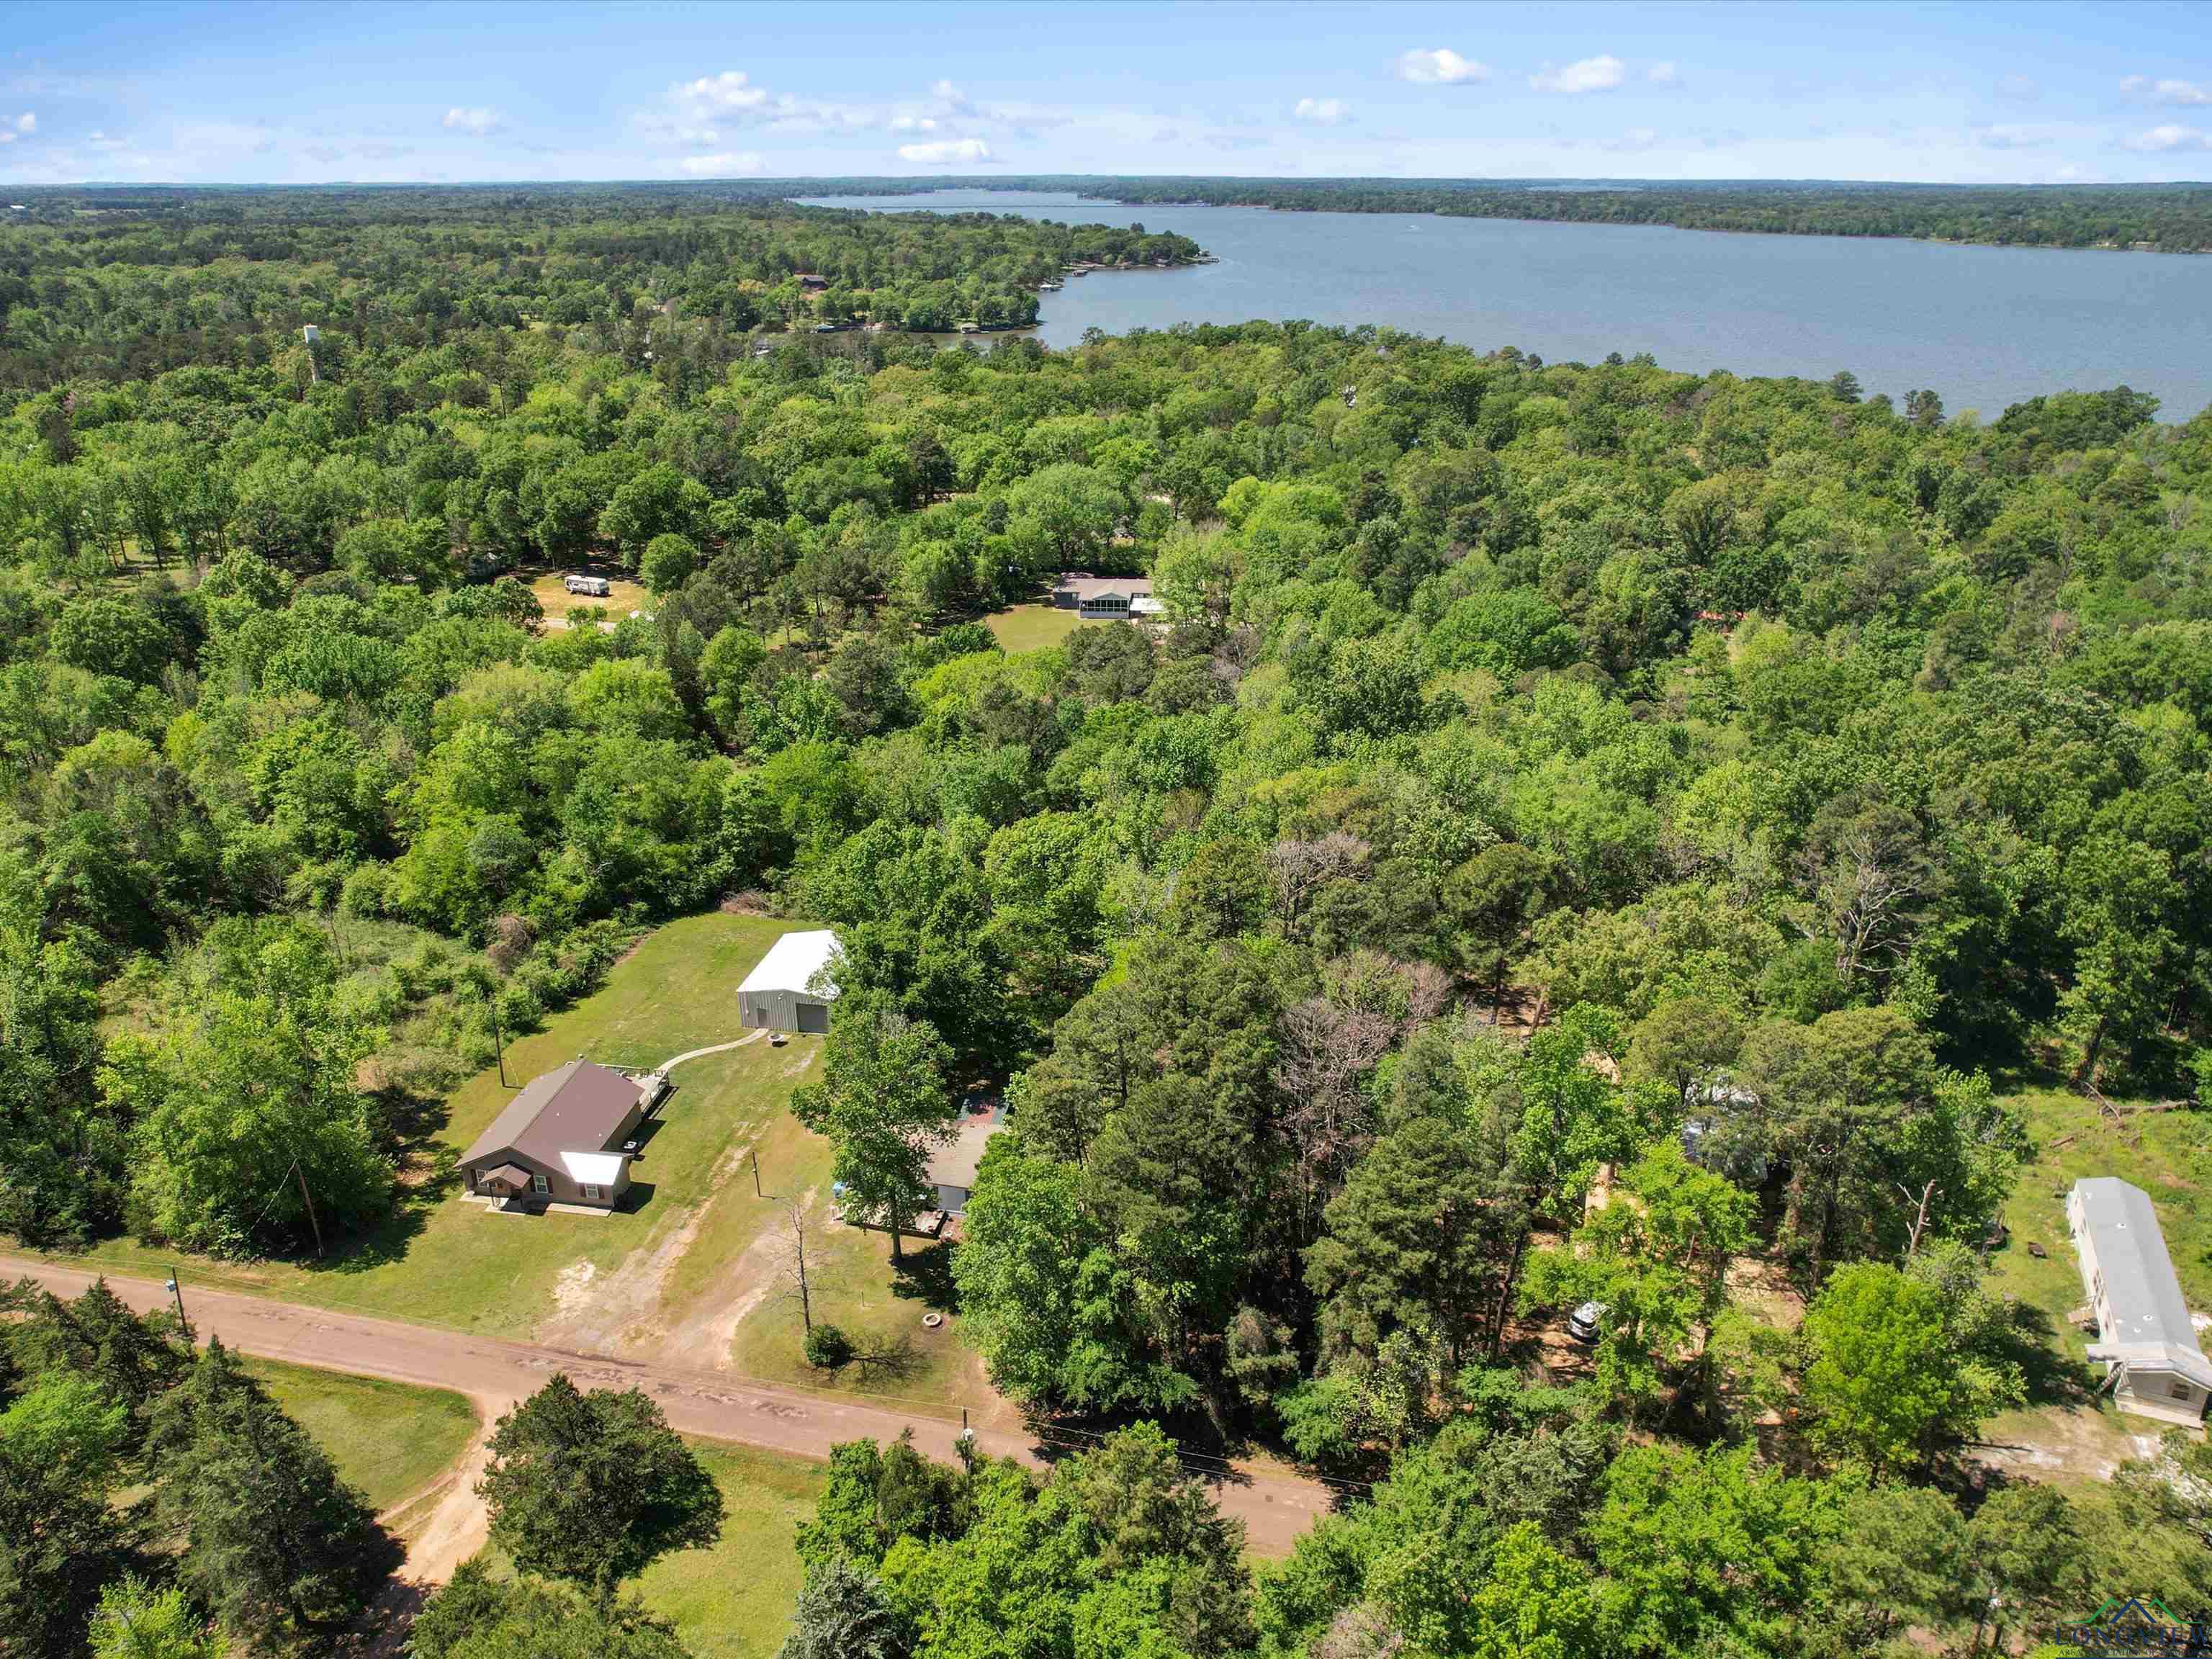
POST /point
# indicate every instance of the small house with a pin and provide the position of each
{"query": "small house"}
(565, 1138)
(793, 985)
(1105, 598)
(2145, 1339)
(952, 1166)
(809, 281)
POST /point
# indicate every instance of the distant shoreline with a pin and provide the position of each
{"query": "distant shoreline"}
(2179, 217)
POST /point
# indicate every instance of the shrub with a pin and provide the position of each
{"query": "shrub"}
(827, 1347)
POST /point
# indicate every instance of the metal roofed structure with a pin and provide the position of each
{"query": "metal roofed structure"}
(2145, 1337)
(792, 986)
(560, 1140)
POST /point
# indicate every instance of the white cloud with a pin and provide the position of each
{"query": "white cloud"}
(2167, 139)
(730, 92)
(1599, 74)
(1636, 138)
(27, 121)
(100, 140)
(2006, 137)
(722, 167)
(2021, 86)
(1440, 66)
(7, 138)
(1323, 112)
(912, 124)
(1663, 75)
(945, 151)
(2167, 90)
(477, 121)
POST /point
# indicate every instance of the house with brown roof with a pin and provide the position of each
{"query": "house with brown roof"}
(562, 1140)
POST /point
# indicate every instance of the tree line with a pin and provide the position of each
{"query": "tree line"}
(2172, 218)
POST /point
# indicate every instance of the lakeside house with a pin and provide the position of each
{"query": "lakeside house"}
(2145, 1339)
(566, 1139)
(793, 985)
(1098, 598)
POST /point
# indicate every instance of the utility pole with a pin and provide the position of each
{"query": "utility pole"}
(756, 1186)
(498, 1043)
(177, 1292)
(307, 1198)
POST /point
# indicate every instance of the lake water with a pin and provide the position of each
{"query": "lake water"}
(1984, 326)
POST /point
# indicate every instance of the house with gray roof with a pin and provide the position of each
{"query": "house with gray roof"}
(2145, 1338)
(1105, 598)
(561, 1141)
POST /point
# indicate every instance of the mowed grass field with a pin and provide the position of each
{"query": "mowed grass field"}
(445, 1262)
(1031, 627)
(692, 1272)
(390, 1439)
(734, 1600)
(557, 601)
(2169, 1155)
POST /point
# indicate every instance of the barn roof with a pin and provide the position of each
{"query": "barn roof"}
(792, 963)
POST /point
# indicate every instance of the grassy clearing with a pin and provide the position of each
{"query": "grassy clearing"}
(855, 1287)
(390, 1439)
(1031, 626)
(557, 601)
(734, 1600)
(2169, 1155)
(446, 1262)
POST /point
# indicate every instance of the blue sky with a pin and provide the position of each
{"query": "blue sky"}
(300, 94)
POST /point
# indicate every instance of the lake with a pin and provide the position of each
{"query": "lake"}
(1984, 326)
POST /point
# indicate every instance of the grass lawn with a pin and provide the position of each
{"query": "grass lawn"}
(1031, 626)
(557, 601)
(390, 1439)
(734, 1600)
(854, 1288)
(2172, 1163)
(443, 1262)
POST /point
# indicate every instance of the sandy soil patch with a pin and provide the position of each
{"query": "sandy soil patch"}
(572, 1292)
(703, 1336)
(2056, 1442)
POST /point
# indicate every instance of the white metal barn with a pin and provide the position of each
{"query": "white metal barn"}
(2144, 1334)
(793, 986)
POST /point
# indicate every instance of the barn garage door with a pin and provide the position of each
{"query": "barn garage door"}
(813, 1016)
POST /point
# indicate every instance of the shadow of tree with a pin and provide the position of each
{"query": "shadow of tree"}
(925, 1275)
(893, 1361)
(2031, 1341)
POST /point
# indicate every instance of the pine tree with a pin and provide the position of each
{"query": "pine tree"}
(842, 1613)
(273, 1541)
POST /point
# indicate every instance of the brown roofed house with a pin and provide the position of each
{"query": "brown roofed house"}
(560, 1141)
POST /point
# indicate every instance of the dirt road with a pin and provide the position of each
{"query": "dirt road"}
(1275, 1508)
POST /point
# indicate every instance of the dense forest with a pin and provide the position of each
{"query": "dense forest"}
(1551, 783)
(2170, 218)
(113, 285)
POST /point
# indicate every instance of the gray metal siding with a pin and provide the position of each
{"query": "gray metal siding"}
(778, 1011)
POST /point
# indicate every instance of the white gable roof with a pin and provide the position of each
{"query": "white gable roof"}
(594, 1169)
(2150, 1328)
(792, 961)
